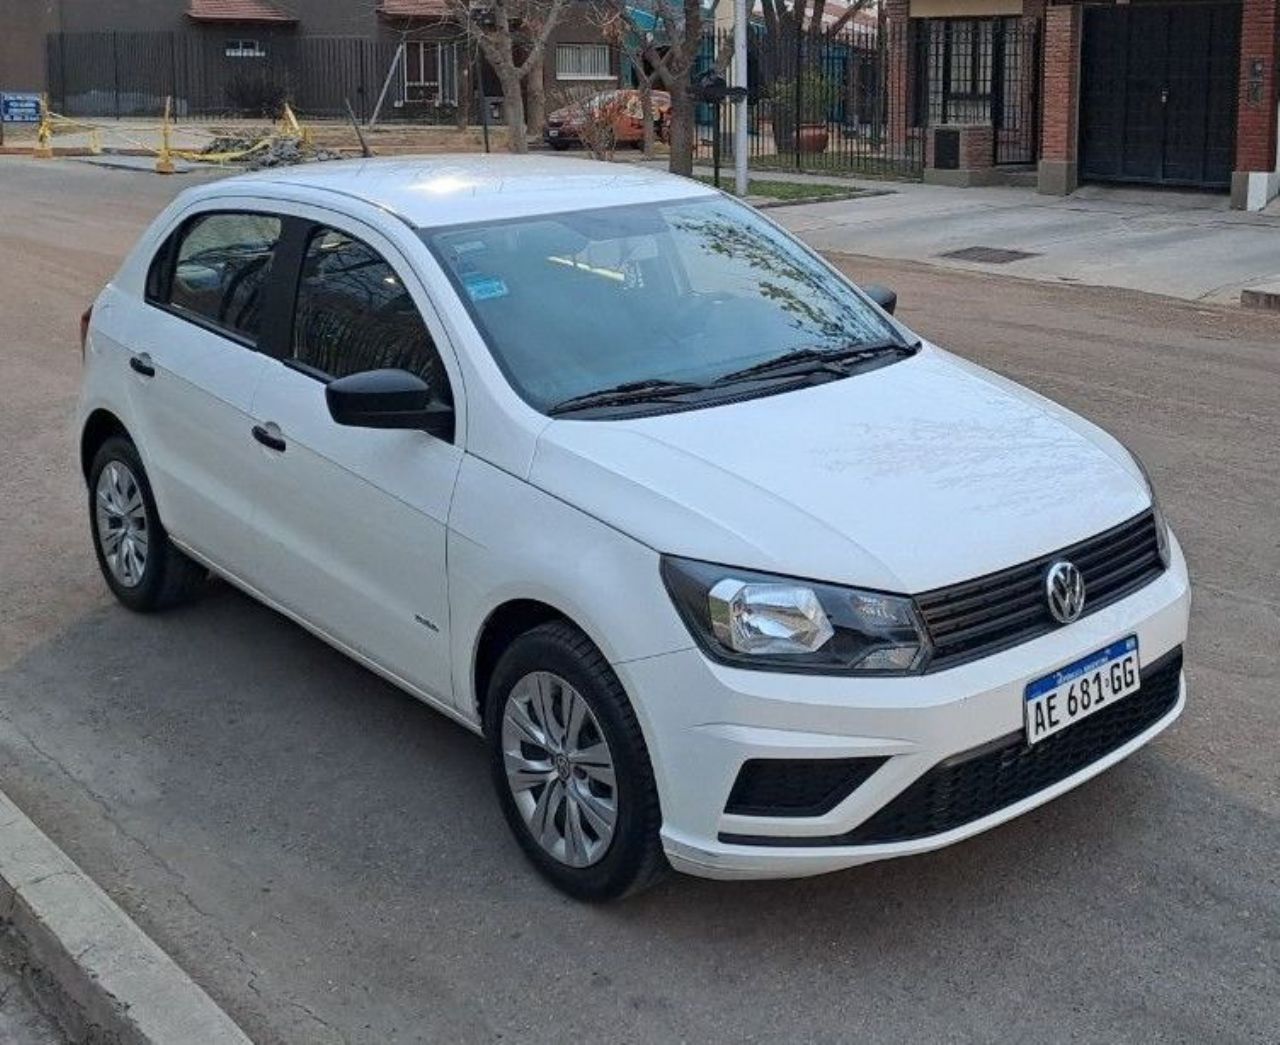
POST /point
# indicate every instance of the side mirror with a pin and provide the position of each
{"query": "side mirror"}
(388, 399)
(882, 296)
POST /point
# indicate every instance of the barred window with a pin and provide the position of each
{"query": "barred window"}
(583, 62)
(430, 72)
(245, 49)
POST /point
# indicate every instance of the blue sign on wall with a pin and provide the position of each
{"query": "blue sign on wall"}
(20, 108)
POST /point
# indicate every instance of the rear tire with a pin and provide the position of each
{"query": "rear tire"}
(141, 566)
(570, 766)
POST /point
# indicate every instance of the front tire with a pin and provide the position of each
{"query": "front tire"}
(140, 564)
(570, 766)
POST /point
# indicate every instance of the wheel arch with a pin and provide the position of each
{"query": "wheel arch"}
(506, 622)
(99, 426)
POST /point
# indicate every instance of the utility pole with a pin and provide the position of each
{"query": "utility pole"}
(740, 146)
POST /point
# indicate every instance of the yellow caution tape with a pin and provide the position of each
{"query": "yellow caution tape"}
(52, 123)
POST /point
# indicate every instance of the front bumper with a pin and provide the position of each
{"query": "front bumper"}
(703, 721)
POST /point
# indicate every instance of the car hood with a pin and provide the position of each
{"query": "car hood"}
(906, 478)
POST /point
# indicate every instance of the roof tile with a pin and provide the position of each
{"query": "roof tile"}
(414, 8)
(263, 11)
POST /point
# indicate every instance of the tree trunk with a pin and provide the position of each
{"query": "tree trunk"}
(646, 114)
(682, 129)
(537, 115)
(513, 108)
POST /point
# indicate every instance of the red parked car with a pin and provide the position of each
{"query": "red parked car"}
(565, 127)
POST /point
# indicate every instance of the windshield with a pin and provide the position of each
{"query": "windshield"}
(689, 292)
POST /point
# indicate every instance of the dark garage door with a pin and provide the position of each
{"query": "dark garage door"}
(1158, 93)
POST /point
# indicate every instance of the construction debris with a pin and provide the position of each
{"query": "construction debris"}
(266, 150)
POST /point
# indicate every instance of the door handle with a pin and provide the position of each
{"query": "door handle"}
(141, 364)
(271, 440)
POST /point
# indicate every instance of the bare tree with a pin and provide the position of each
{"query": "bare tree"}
(782, 21)
(617, 25)
(593, 117)
(502, 30)
(664, 53)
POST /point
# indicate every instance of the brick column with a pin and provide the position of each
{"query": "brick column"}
(898, 80)
(1060, 101)
(1257, 175)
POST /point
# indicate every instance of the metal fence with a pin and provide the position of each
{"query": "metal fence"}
(122, 74)
(819, 104)
(861, 100)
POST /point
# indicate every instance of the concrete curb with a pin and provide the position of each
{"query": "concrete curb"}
(1264, 296)
(108, 980)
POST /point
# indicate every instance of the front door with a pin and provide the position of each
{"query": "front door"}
(353, 520)
(1158, 93)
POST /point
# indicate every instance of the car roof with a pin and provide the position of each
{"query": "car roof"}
(435, 191)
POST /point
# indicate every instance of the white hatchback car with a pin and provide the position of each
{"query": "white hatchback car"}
(731, 569)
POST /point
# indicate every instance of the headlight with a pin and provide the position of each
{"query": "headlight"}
(772, 623)
(1162, 527)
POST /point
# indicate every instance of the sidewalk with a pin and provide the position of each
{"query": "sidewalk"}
(1183, 245)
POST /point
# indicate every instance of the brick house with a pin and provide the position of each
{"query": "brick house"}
(1143, 92)
(127, 55)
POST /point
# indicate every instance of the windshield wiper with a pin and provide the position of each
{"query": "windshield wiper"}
(816, 360)
(650, 390)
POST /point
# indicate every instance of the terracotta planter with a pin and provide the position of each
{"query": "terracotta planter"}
(813, 137)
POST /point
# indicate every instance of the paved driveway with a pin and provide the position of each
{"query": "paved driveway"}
(1185, 245)
(323, 854)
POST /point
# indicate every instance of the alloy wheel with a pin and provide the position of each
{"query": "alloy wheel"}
(122, 523)
(559, 769)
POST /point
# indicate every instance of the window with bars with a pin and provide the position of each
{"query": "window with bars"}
(244, 49)
(430, 72)
(964, 69)
(583, 62)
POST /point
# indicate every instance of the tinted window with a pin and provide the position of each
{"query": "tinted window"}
(221, 269)
(355, 314)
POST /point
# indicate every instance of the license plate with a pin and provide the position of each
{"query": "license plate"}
(1075, 692)
(553, 133)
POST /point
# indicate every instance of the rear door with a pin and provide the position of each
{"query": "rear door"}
(354, 520)
(195, 367)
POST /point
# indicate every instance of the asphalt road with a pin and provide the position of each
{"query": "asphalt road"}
(324, 856)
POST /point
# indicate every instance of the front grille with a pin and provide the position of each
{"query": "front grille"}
(980, 617)
(797, 786)
(987, 779)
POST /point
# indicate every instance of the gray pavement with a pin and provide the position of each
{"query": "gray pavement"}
(1185, 245)
(22, 1021)
(323, 855)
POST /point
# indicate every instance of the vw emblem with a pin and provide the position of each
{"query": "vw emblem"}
(1064, 590)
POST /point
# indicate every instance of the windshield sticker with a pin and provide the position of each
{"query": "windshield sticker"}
(469, 247)
(484, 288)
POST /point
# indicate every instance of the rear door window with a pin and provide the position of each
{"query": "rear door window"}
(221, 268)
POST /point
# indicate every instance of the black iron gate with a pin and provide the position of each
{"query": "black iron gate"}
(1158, 94)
